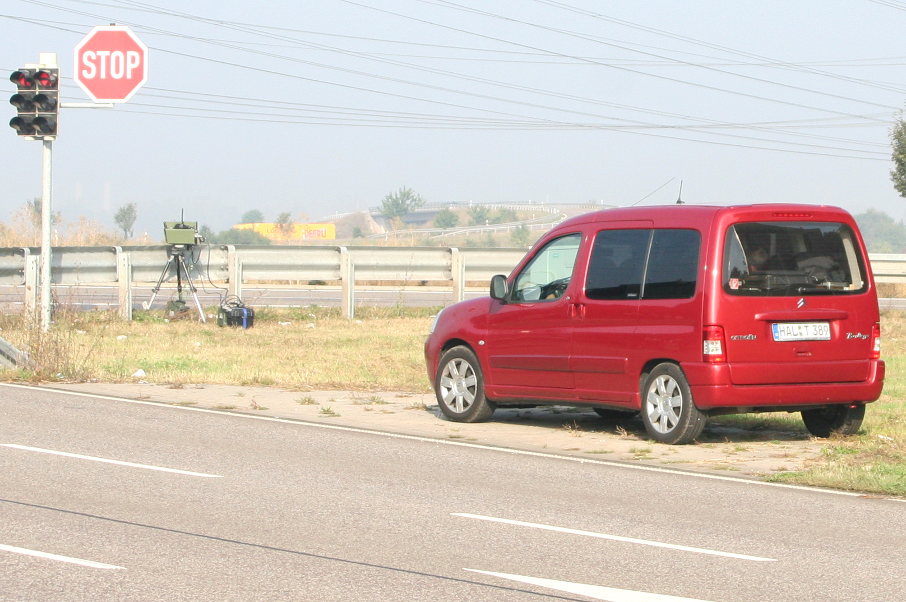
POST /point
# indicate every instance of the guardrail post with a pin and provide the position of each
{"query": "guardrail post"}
(347, 282)
(458, 270)
(124, 283)
(31, 283)
(234, 272)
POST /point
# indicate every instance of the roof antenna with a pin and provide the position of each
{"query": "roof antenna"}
(679, 199)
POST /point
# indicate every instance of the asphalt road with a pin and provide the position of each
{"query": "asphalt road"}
(147, 502)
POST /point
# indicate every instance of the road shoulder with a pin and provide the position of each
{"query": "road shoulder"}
(557, 430)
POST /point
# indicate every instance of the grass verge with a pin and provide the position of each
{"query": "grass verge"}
(304, 349)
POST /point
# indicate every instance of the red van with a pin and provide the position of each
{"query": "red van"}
(678, 313)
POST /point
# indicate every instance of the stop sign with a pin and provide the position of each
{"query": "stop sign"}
(111, 63)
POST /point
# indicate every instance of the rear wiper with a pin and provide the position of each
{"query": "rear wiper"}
(815, 290)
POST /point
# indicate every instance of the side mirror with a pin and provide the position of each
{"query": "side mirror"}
(498, 287)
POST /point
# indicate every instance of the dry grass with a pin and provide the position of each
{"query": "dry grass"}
(304, 349)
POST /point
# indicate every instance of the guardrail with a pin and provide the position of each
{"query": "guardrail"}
(238, 265)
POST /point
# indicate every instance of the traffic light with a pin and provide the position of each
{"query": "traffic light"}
(37, 101)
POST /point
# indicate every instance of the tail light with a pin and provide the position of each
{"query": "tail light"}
(713, 347)
(875, 342)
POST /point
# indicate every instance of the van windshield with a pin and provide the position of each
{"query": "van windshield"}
(792, 258)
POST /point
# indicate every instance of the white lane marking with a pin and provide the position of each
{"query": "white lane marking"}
(57, 557)
(644, 542)
(598, 592)
(506, 450)
(108, 461)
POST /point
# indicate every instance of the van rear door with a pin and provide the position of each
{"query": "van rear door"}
(797, 304)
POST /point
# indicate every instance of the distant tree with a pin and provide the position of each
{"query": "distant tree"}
(238, 237)
(479, 215)
(125, 219)
(285, 223)
(504, 216)
(252, 217)
(397, 204)
(898, 144)
(357, 232)
(882, 234)
(34, 208)
(446, 219)
(521, 236)
(28, 219)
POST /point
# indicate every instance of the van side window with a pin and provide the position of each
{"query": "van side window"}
(672, 265)
(792, 258)
(615, 267)
(547, 275)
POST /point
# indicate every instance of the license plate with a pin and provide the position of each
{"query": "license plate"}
(801, 331)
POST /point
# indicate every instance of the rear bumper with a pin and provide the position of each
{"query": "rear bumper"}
(712, 388)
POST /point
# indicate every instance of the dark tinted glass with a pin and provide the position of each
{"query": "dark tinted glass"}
(615, 268)
(673, 265)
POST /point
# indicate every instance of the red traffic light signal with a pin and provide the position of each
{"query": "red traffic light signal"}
(23, 78)
(47, 79)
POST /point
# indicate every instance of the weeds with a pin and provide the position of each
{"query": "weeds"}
(573, 429)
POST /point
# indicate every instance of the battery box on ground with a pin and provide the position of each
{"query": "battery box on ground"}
(236, 315)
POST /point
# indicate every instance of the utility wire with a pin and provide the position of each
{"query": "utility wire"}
(550, 123)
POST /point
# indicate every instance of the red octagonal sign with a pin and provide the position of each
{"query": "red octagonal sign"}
(111, 63)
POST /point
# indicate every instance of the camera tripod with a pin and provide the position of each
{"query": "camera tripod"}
(177, 258)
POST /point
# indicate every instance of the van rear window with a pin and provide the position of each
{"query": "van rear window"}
(792, 258)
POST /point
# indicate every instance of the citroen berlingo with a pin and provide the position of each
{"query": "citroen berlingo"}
(678, 313)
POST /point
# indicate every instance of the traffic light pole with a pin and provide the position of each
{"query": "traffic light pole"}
(46, 201)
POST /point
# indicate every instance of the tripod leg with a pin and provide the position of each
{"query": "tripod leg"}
(192, 288)
(179, 262)
(147, 305)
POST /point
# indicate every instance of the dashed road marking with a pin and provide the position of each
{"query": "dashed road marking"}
(109, 461)
(59, 558)
(644, 542)
(598, 592)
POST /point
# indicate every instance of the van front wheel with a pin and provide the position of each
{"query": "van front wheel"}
(459, 387)
(668, 412)
(840, 420)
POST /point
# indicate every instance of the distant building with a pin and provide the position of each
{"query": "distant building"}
(294, 231)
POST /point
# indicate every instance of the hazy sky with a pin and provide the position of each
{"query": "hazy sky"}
(322, 106)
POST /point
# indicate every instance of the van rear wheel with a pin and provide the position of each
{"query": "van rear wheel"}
(839, 420)
(668, 412)
(459, 387)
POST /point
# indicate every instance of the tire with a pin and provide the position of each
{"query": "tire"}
(668, 412)
(459, 387)
(835, 420)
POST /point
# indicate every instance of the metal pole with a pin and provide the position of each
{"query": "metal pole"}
(46, 194)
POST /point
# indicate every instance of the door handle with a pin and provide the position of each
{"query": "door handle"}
(577, 310)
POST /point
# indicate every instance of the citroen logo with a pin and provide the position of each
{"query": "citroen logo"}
(800, 303)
